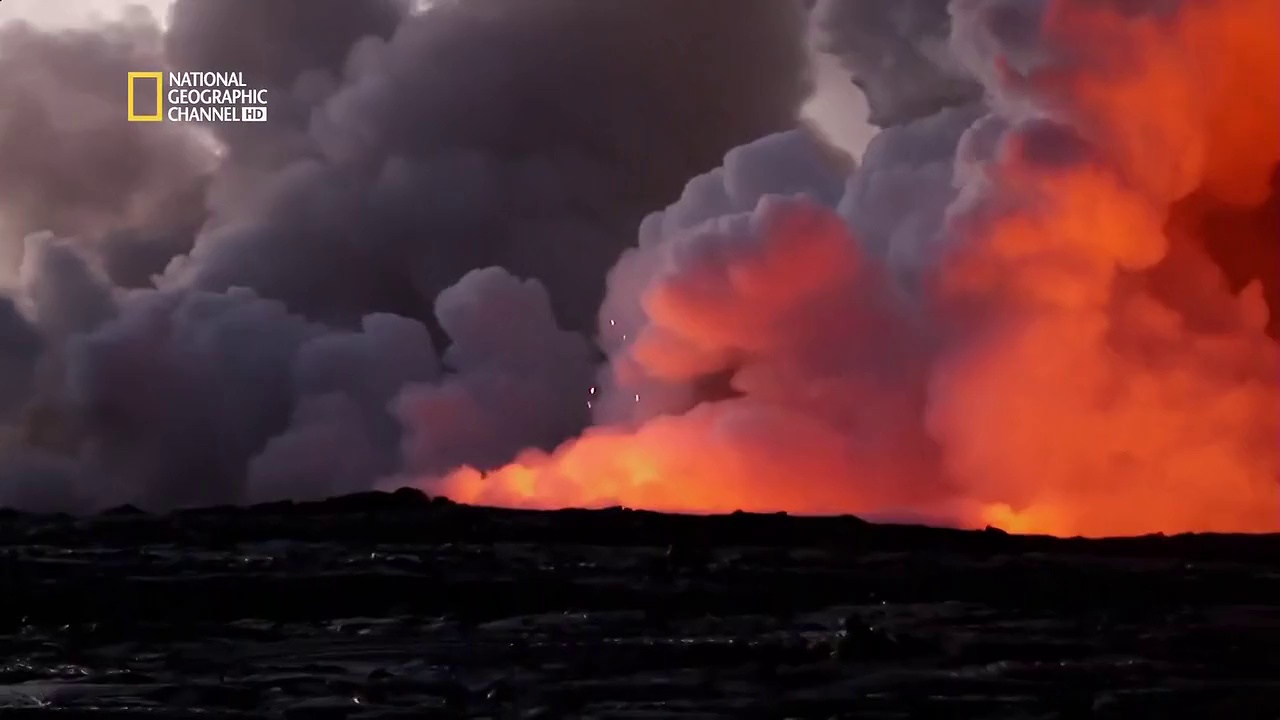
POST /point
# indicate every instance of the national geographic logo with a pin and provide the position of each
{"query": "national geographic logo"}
(203, 97)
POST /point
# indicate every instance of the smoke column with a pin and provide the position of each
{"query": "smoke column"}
(460, 257)
(432, 209)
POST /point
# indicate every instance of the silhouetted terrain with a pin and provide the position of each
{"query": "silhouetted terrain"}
(397, 606)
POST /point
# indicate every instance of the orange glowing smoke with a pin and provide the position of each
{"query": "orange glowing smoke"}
(788, 302)
(1123, 410)
(1092, 372)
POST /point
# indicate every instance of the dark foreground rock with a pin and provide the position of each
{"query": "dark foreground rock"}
(399, 606)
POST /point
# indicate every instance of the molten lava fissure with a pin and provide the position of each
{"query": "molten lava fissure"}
(1045, 297)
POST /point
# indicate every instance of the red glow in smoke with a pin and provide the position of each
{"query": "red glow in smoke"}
(1071, 392)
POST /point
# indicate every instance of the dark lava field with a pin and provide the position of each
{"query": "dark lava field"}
(384, 606)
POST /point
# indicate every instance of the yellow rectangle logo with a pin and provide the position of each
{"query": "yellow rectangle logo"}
(159, 78)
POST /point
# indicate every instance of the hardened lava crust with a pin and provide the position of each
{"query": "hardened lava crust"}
(380, 606)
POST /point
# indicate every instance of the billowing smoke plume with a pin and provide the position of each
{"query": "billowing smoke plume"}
(1000, 321)
(408, 156)
(1036, 303)
(491, 132)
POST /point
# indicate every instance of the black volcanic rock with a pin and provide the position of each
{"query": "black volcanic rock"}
(122, 511)
(388, 605)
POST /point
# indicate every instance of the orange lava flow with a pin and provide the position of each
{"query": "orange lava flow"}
(697, 463)
(1095, 375)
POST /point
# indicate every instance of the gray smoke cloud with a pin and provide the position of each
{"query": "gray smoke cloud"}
(899, 54)
(20, 350)
(294, 51)
(436, 197)
(490, 132)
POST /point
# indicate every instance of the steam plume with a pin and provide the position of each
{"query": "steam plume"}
(1023, 368)
(1036, 302)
